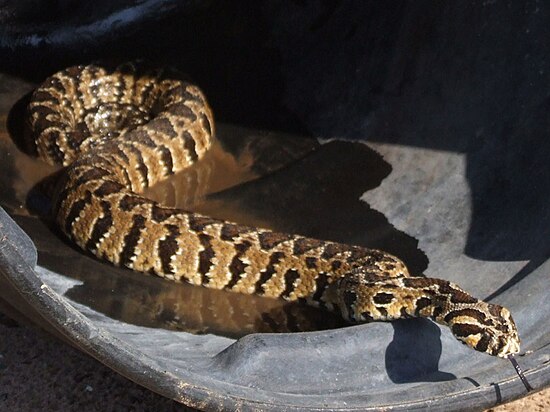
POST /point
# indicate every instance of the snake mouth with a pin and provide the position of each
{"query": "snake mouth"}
(508, 347)
(509, 343)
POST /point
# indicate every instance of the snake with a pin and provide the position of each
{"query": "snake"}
(118, 129)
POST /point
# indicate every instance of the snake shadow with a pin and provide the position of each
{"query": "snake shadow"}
(15, 123)
(320, 197)
(413, 354)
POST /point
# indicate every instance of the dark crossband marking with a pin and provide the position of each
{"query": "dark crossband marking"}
(190, 146)
(141, 167)
(230, 231)
(349, 299)
(383, 298)
(167, 160)
(268, 272)
(422, 303)
(290, 277)
(469, 312)
(311, 262)
(181, 110)
(467, 329)
(131, 240)
(190, 97)
(303, 245)
(268, 240)
(90, 175)
(142, 137)
(336, 264)
(332, 249)
(129, 202)
(107, 188)
(205, 257)
(320, 285)
(101, 227)
(237, 266)
(164, 126)
(198, 223)
(75, 210)
(168, 248)
(206, 123)
(160, 214)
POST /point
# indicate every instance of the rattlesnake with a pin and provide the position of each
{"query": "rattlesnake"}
(121, 129)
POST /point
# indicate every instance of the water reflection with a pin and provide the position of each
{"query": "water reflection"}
(149, 302)
(266, 179)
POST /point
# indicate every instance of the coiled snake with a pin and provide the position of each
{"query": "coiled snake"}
(120, 130)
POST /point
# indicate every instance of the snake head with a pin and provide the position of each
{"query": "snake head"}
(486, 328)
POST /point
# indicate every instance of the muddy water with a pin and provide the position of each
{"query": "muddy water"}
(267, 179)
(135, 298)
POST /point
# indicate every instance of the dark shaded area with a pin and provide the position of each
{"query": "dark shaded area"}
(8, 177)
(224, 47)
(532, 265)
(413, 355)
(470, 79)
(15, 124)
(28, 17)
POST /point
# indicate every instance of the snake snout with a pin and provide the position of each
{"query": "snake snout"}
(501, 335)
(507, 337)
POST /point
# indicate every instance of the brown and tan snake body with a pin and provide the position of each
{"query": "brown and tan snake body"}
(120, 130)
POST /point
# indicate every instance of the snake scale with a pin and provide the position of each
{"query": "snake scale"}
(118, 130)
